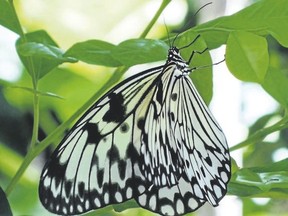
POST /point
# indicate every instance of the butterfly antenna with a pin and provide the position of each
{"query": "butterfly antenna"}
(168, 35)
(196, 38)
(201, 8)
(175, 38)
(189, 22)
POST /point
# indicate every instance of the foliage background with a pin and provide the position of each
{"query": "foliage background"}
(256, 52)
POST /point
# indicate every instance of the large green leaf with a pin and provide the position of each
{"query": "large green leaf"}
(94, 52)
(139, 51)
(40, 54)
(262, 18)
(130, 52)
(247, 56)
(43, 51)
(8, 17)
(267, 181)
(276, 84)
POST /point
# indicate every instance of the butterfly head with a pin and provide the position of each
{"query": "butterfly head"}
(174, 57)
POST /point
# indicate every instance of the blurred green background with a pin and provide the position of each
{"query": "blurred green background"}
(72, 21)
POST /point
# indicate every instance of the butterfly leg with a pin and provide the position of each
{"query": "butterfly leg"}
(193, 52)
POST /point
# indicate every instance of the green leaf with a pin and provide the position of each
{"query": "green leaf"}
(126, 205)
(247, 56)
(279, 29)
(8, 17)
(94, 52)
(262, 18)
(139, 51)
(40, 54)
(276, 84)
(4, 204)
(33, 49)
(202, 76)
(269, 181)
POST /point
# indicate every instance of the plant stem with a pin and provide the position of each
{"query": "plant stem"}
(154, 19)
(34, 139)
(27, 160)
(261, 134)
(35, 150)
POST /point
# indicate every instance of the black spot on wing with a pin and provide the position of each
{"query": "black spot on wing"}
(174, 96)
(132, 153)
(208, 160)
(81, 189)
(140, 123)
(68, 187)
(124, 127)
(100, 175)
(94, 135)
(113, 154)
(122, 168)
(172, 116)
(159, 96)
(145, 138)
(56, 169)
(187, 162)
(117, 109)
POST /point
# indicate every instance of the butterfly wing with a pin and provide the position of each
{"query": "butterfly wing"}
(184, 150)
(97, 163)
(151, 138)
(205, 150)
(171, 200)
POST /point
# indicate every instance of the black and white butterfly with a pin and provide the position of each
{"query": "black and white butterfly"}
(150, 138)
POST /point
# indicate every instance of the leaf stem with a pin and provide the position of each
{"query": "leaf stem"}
(154, 19)
(34, 138)
(261, 134)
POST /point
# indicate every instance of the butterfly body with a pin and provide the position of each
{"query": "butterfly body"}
(150, 138)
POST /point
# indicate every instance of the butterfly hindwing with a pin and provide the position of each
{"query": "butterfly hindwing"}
(205, 150)
(175, 200)
(182, 145)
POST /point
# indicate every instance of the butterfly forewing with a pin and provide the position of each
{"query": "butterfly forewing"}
(162, 161)
(150, 138)
(97, 163)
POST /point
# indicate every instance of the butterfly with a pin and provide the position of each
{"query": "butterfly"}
(150, 138)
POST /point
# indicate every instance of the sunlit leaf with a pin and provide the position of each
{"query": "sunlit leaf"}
(8, 17)
(94, 52)
(276, 84)
(49, 52)
(139, 51)
(40, 54)
(262, 18)
(266, 181)
(247, 56)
